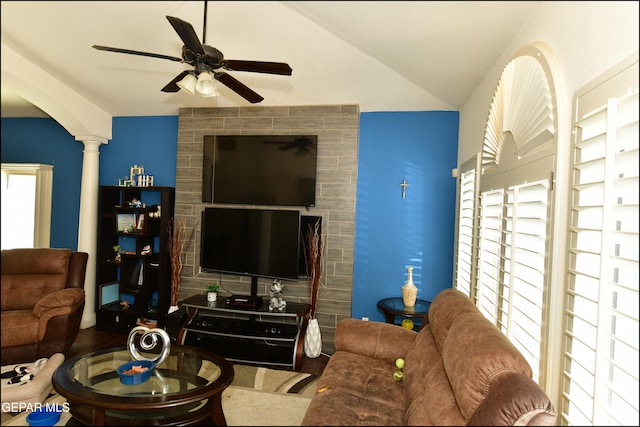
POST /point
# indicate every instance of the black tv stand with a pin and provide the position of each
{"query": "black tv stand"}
(254, 336)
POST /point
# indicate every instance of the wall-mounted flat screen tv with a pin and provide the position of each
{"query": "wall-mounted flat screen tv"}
(277, 170)
(252, 242)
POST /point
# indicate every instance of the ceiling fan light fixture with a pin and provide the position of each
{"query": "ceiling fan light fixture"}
(188, 83)
(210, 95)
(205, 85)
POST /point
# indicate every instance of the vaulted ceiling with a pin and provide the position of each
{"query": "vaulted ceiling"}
(382, 55)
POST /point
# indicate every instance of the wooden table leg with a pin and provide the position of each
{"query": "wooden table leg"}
(98, 417)
(216, 409)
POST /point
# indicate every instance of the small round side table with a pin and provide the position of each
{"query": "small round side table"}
(392, 307)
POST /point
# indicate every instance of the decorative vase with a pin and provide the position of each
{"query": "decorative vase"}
(312, 339)
(212, 296)
(409, 290)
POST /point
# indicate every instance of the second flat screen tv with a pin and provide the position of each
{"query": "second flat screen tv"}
(277, 170)
(253, 242)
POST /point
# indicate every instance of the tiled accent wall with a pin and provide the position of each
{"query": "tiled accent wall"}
(337, 129)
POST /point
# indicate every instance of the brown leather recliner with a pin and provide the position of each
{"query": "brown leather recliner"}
(42, 302)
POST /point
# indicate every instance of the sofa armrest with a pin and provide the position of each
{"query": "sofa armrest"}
(373, 339)
(59, 303)
(515, 401)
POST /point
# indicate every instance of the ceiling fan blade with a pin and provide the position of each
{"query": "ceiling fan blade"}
(257, 66)
(172, 86)
(136, 52)
(187, 34)
(238, 87)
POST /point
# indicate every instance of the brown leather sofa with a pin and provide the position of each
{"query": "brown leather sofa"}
(459, 370)
(42, 302)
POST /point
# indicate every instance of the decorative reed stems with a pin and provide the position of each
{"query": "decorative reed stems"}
(176, 245)
(313, 255)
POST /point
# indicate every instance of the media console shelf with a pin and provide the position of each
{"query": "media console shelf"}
(261, 337)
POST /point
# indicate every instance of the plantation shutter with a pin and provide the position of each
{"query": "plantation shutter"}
(490, 266)
(514, 183)
(466, 239)
(525, 256)
(513, 264)
(600, 378)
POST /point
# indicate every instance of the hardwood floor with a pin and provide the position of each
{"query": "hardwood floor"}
(91, 339)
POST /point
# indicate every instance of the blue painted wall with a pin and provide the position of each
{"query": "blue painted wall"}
(147, 141)
(391, 232)
(43, 140)
(151, 142)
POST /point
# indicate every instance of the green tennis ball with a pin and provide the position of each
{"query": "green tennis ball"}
(397, 376)
(407, 324)
(399, 363)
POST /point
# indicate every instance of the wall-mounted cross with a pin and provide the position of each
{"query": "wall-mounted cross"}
(404, 186)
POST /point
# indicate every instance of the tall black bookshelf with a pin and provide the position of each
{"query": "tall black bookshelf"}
(133, 282)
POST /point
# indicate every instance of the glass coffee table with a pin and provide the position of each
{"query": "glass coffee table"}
(186, 389)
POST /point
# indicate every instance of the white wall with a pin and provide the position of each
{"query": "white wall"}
(587, 37)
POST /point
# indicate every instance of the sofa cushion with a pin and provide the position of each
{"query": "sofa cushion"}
(372, 339)
(364, 377)
(420, 358)
(339, 407)
(19, 327)
(476, 356)
(444, 309)
(434, 404)
(30, 274)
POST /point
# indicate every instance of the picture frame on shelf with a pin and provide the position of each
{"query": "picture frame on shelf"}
(126, 222)
(109, 294)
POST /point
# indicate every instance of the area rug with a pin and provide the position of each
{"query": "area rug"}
(257, 396)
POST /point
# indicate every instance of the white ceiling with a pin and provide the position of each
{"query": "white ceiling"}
(382, 55)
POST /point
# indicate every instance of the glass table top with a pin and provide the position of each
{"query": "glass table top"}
(185, 369)
(395, 305)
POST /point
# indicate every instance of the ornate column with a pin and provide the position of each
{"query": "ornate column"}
(87, 224)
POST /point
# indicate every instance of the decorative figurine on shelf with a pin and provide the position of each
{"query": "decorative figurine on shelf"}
(135, 170)
(275, 293)
(135, 203)
(116, 249)
(125, 182)
(125, 304)
(146, 250)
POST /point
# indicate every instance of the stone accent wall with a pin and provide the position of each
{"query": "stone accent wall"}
(337, 129)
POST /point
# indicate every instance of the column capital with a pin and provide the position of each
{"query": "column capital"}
(85, 139)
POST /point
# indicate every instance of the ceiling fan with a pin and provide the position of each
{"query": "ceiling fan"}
(207, 61)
